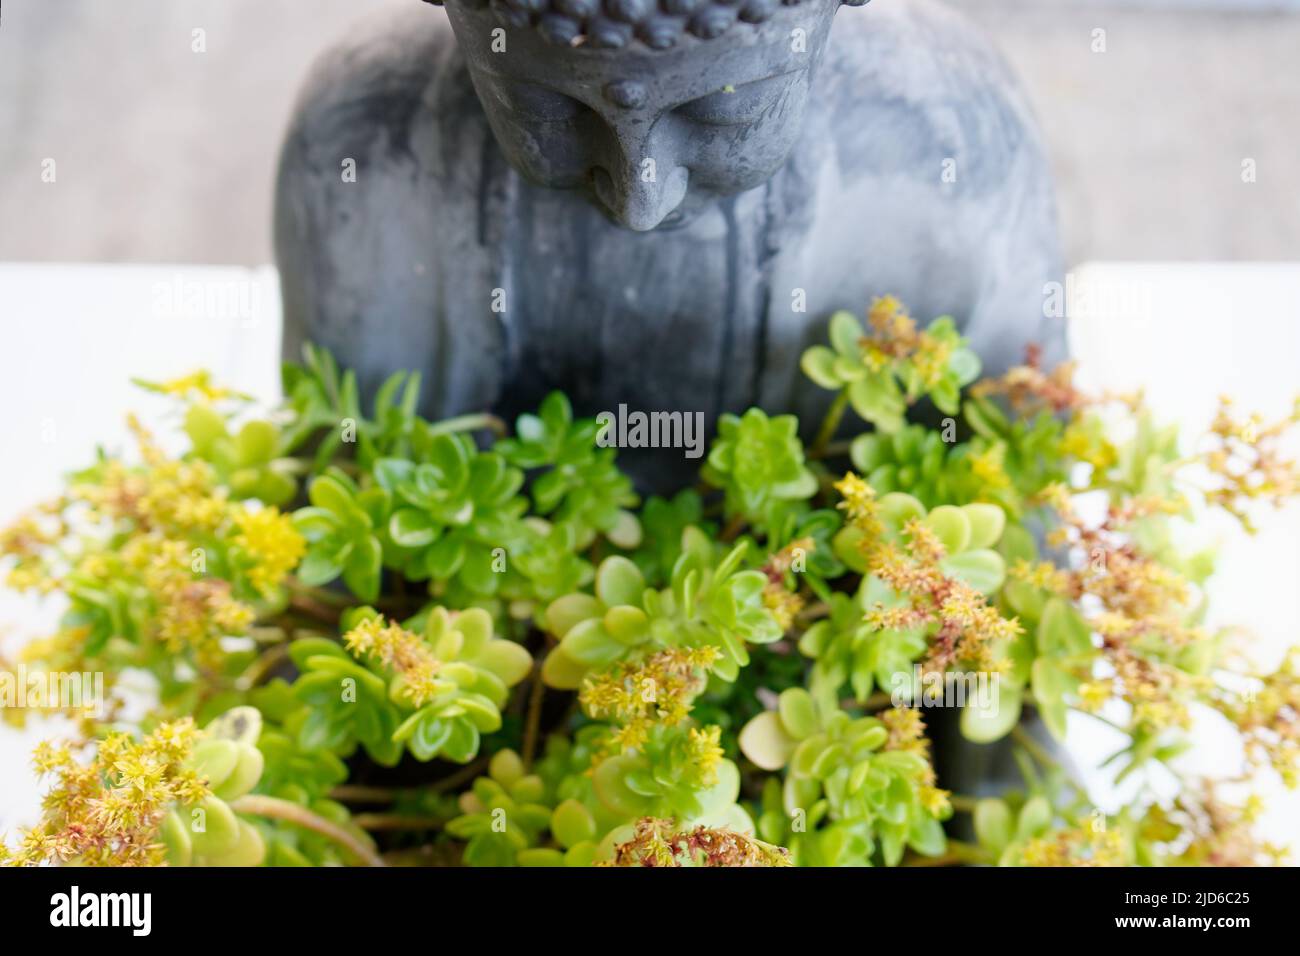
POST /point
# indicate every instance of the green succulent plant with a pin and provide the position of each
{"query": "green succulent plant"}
(578, 482)
(250, 461)
(513, 818)
(845, 649)
(756, 460)
(663, 521)
(845, 794)
(339, 526)
(921, 463)
(210, 833)
(662, 779)
(364, 702)
(455, 516)
(708, 603)
(745, 651)
(880, 390)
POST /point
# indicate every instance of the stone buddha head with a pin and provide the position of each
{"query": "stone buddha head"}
(652, 108)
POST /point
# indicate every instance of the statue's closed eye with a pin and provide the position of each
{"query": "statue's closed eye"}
(741, 106)
(539, 103)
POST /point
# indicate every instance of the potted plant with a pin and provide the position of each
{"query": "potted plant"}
(379, 639)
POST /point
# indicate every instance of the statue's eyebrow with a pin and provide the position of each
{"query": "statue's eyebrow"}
(737, 87)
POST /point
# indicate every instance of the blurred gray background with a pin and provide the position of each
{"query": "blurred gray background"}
(165, 155)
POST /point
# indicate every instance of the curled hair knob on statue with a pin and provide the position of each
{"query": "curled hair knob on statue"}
(614, 24)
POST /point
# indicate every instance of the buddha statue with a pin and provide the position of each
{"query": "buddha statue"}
(656, 203)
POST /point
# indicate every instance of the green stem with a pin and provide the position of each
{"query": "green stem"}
(263, 664)
(834, 449)
(959, 853)
(395, 821)
(532, 728)
(318, 595)
(829, 424)
(1107, 721)
(733, 528)
(359, 793)
(880, 700)
(317, 611)
(274, 808)
(962, 804)
(813, 612)
(458, 779)
(470, 423)
(1035, 749)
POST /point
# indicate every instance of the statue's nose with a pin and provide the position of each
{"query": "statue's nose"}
(637, 203)
(638, 188)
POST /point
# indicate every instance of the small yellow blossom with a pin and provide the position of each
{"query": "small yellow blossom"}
(705, 751)
(107, 812)
(784, 605)
(1042, 574)
(400, 650)
(989, 466)
(270, 539)
(197, 385)
(859, 504)
(655, 691)
(1078, 846)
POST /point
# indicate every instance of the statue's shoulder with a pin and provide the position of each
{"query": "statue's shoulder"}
(388, 90)
(909, 84)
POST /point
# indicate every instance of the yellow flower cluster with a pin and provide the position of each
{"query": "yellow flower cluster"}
(197, 385)
(704, 750)
(785, 605)
(270, 539)
(1029, 389)
(657, 842)
(1084, 845)
(1084, 439)
(192, 611)
(1268, 716)
(859, 502)
(107, 812)
(1145, 609)
(402, 651)
(1217, 833)
(25, 541)
(894, 337)
(1041, 574)
(638, 695)
(175, 497)
(966, 628)
(1245, 456)
(989, 466)
(906, 729)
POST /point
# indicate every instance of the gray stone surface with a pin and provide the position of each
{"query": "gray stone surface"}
(165, 155)
(1148, 138)
(441, 257)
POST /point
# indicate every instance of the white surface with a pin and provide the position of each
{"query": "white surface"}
(1187, 333)
(74, 336)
